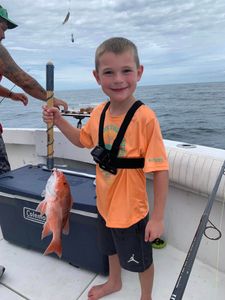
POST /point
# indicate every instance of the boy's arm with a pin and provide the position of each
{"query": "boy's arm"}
(71, 132)
(155, 226)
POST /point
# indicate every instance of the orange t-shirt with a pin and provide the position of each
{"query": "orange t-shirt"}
(122, 198)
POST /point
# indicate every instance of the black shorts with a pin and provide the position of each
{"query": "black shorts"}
(134, 253)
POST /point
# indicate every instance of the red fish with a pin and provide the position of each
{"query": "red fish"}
(56, 206)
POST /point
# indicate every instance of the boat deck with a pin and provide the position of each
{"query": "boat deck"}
(30, 275)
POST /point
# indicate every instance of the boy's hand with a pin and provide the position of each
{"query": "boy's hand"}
(51, 114)
(154, 229)
(19, 97)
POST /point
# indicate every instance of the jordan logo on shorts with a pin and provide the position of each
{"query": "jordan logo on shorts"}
(132, 259)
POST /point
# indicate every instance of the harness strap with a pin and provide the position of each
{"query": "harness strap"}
(120, 162)
(116, 144)
(129, 163)
(101, 126)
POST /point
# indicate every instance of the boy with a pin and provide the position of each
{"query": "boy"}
(125, 232)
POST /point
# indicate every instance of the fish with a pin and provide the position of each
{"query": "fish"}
(56, 206)
(66, 18)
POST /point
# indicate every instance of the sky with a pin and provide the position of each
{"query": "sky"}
(178, 41)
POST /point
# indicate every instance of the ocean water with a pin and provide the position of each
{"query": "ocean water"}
(189, 113)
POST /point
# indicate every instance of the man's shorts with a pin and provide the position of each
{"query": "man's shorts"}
(134, 253)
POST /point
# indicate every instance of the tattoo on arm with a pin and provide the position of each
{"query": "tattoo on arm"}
(14, 73)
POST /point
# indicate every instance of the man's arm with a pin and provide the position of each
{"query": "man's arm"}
(10, 70)
(14, 73)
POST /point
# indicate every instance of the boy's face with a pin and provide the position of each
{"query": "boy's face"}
(118, 75)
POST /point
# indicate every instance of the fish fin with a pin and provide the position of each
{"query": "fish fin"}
(55, 246)
(43, 193)
(46, 231)
(66, 227)
(42, 207)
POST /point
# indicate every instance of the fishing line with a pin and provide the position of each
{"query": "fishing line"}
(11, 89)
(65, 20)
(212, 226)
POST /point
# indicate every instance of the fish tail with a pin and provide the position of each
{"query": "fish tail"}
(55, 246)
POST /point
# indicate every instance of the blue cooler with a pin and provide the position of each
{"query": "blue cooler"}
(20, 193)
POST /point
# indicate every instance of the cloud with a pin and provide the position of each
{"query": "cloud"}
(178, 41)
(14, 48)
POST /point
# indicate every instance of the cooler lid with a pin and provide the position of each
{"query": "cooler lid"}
(30, 181)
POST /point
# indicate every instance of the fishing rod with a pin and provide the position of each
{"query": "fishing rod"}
(2, 270)
(182, 280)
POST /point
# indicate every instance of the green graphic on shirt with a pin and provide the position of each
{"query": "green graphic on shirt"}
(110, 133)
(156, 159)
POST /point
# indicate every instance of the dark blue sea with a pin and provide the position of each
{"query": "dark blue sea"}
(190, 113)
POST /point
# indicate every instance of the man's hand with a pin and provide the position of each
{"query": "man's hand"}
(59, 102)
(19, 97)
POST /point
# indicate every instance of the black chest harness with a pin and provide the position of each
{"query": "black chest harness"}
(108, 160)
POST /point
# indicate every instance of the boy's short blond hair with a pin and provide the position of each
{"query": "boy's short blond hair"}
(116, 45)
